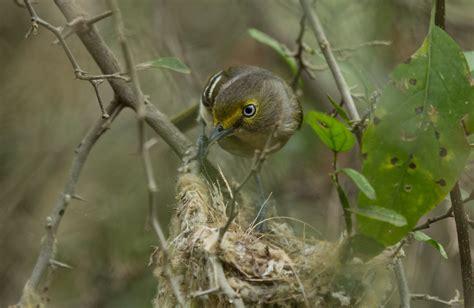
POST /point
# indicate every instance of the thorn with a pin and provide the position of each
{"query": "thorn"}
(60, 264)
(77, 197)
(49, 222)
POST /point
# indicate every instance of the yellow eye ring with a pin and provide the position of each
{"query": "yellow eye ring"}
(249, 110)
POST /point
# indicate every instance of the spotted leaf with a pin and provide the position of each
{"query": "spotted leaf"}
(415, 145)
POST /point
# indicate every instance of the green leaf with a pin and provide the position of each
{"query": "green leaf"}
(332, 133)
(342, 113)
(470, 61)
(382, 214)
(415, 146)
(170, 63)
(265, 39)
(423, 237)
(468, 122)
(361, 182)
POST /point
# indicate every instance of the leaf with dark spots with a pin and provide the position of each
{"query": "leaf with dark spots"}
(418, 150)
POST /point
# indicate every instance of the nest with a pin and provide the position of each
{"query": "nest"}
(275, 268)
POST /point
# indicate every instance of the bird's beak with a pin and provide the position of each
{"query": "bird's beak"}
(218, 133)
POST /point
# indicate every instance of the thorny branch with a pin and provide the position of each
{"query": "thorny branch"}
(123, 97)
(79, 73)
(54, 219)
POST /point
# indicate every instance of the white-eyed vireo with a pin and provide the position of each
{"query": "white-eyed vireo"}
(242, 105)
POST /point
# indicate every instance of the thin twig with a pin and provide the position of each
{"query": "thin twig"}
(144, 150)
(429, 221)
(79, 73)
(152, 190)
(95, 85)
(455, 301)
(330, 59)
(259, 159)
(223, 284)
(299, 54)
(402, 284)
(54, 219)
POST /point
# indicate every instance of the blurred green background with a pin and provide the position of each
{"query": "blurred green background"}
(44, 112)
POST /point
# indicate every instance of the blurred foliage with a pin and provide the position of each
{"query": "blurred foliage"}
(45, 112)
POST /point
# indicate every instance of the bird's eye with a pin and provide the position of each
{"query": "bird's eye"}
(249, 110)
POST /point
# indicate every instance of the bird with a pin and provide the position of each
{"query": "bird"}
(243, 105)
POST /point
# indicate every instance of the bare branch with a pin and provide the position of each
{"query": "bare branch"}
(331, 60)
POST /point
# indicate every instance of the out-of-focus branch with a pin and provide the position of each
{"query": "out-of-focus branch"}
(402, 283)
(341, 83)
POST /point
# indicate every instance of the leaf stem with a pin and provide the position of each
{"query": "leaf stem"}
(341, 194)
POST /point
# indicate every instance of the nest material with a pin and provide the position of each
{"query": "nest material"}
(275, 268)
